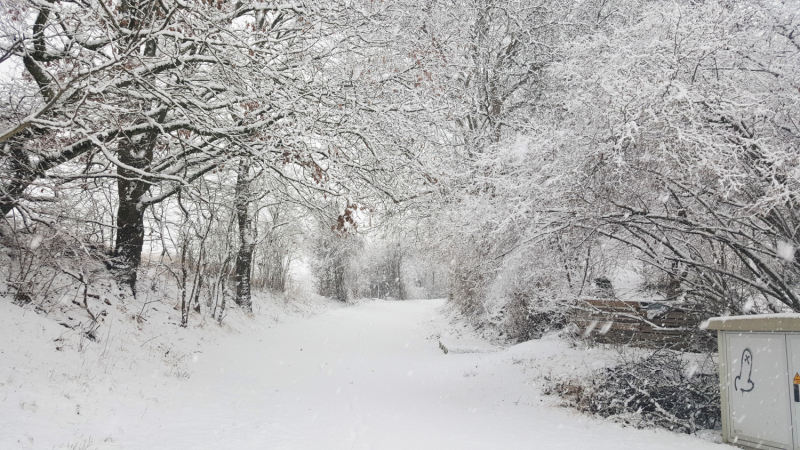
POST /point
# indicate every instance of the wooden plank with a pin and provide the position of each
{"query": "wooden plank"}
(614, 304)
(629, 324)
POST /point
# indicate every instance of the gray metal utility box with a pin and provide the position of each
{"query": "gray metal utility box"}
(759, 370)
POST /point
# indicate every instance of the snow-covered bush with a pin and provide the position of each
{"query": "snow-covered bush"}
(663, 389)
(531, 315)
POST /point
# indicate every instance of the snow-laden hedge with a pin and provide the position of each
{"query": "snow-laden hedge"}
(662, 389)
(529, 316)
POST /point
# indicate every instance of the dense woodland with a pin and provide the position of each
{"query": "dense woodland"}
(513, 156)
(546, 143)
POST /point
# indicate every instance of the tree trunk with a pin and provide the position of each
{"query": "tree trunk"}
(131, 187)
(401, 286)
(340, 288)
(247, 237)
(184, 276)
(130, 234)
(22, 174)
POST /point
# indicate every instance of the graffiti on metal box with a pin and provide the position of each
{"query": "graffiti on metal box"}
(743, 382)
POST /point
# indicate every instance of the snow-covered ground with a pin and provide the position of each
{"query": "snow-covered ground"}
(370, 376)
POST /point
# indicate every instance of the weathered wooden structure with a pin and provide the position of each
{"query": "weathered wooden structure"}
(639, 323)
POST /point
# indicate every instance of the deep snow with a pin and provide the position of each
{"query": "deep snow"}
(370, 376)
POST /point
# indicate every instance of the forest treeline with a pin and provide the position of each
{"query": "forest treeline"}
(513, 155)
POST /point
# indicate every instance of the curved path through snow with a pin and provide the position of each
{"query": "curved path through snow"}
(369, 377)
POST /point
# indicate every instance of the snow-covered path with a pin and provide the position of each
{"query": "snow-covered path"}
(367, 377)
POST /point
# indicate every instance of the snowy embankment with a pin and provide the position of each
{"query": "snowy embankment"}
(365, 376)
(59, 389)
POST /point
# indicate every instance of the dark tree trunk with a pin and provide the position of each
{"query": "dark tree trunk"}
(247, 237)
(21, 176)
(340, 288)
(130, 240)
(131, 187)
(401, 285)
(184, 276)
(243, 268)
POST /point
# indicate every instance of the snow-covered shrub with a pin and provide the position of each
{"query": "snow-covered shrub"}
(663, 389)
(520, 288)
(531, 315)
(46, 269)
